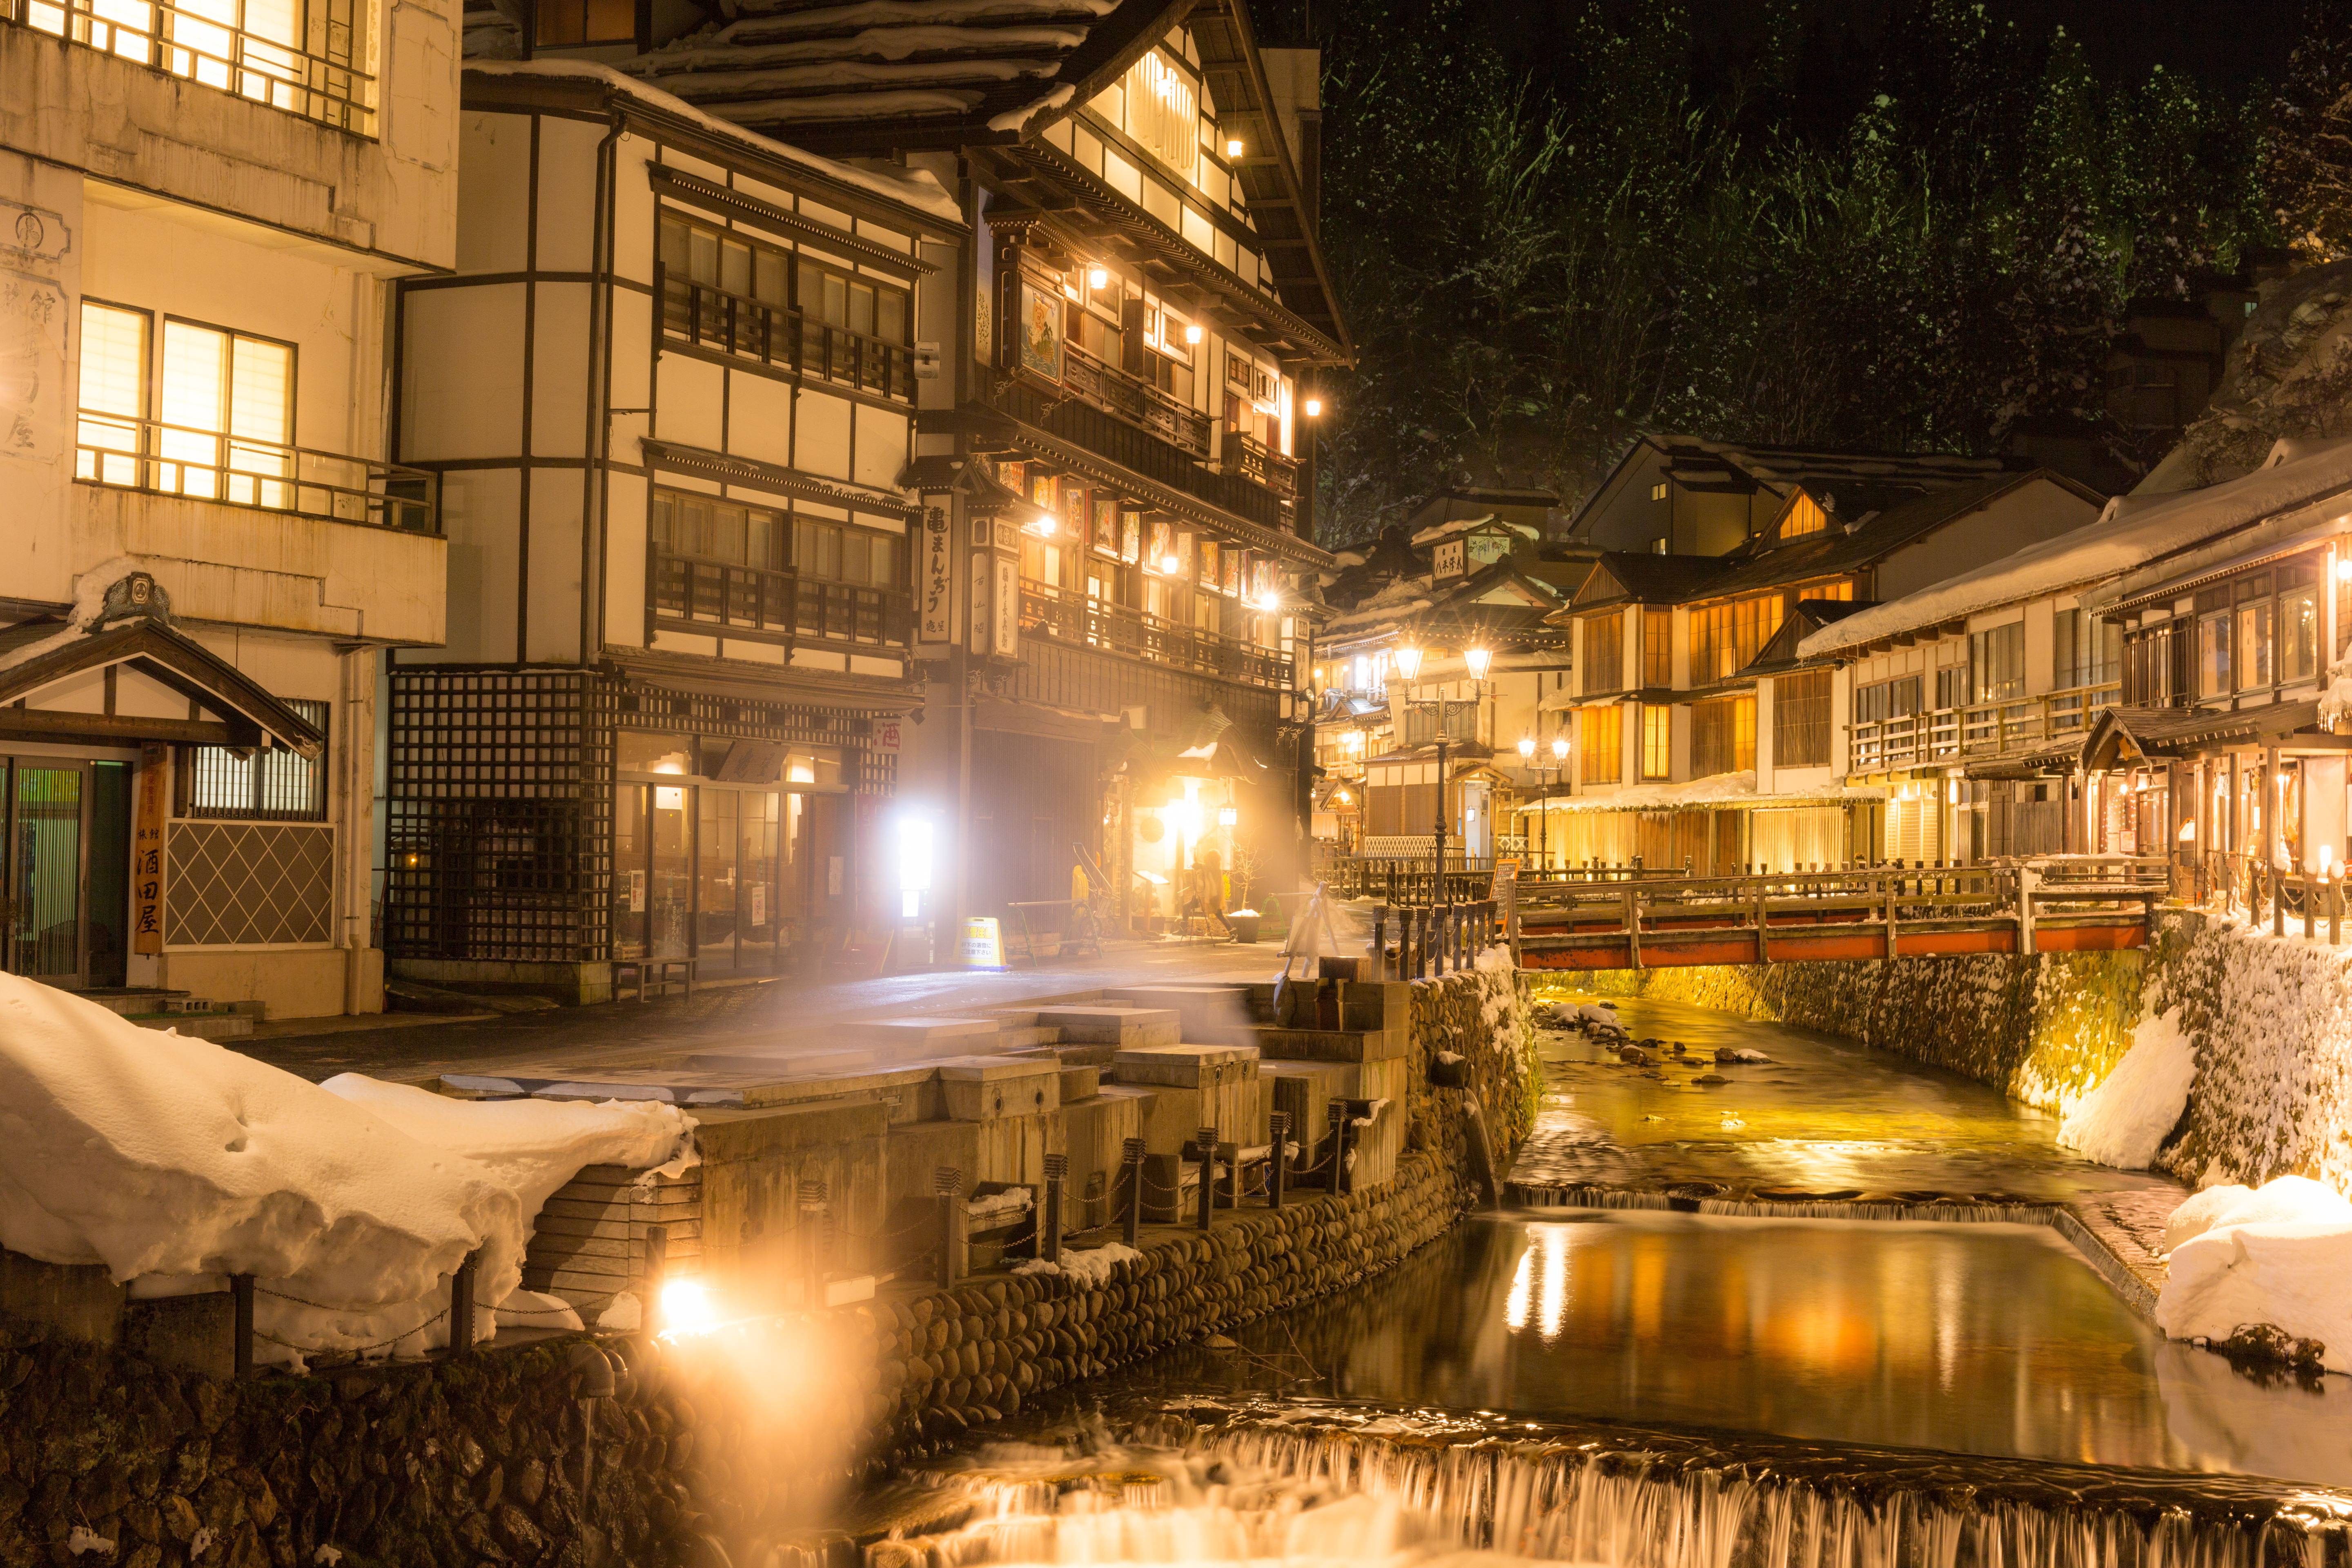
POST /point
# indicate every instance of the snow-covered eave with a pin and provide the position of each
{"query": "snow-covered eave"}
(1724, 791)
(914, 193)
(2137, 541)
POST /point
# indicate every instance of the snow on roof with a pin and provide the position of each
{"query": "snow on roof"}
(918, 188)
(1438, 531)
(2131, 532)
(1733, 790)
(155, 1155)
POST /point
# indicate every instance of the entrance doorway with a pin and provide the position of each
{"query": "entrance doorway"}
(65, 870)
(737, 877)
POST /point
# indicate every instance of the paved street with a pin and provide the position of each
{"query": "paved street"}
(777, 1016)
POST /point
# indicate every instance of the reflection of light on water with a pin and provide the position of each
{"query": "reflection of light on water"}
(1539, 1286)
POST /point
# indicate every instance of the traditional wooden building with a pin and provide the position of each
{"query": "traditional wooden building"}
(671, 392)
(204, 552)
(1116, 480)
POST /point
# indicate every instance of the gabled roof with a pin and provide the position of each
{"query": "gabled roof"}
(1498, 599)
(1779, 653)
(1849, 484)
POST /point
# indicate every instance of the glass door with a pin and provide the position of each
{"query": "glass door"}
(43, 869)
(670, 890)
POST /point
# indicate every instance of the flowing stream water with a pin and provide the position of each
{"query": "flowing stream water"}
(1670, 1390)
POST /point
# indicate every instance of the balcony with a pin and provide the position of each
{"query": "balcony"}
(788, 339)
(1947, 735)
(1084, 622)
(1261, 465)
(155, 459)
(722, 594)
(1135, 425)
(289, 56)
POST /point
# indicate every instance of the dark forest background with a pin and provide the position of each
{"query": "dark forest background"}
(1907, 226)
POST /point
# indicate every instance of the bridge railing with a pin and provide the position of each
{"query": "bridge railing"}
(1728, 914)
(2265, 892)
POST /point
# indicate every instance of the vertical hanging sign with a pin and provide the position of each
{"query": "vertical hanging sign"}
(935, 582)
(1004, 641)
(153, 805)
(979, 622)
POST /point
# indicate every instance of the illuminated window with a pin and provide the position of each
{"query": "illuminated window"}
(1164, 111)
(1657, 648)
(1600, 737)
(1605, 652)
(1723, 736)
(113, 393)
(1658, 491)
(1804, 516)
(1800, 719)
(1725, 638)
(1657, 741)
(272, 786)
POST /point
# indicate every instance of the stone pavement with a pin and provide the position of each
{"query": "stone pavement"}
(1826, 1127)
(778, 1016)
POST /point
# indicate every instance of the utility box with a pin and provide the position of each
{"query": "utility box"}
(987, 1089)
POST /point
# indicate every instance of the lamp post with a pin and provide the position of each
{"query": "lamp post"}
(1559, 768)
(1526, 762)
(1479, 658)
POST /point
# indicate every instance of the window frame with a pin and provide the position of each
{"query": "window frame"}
(1658, 741)
(259, 764)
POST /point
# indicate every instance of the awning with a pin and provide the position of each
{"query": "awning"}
(2123, 737)
(36, 655)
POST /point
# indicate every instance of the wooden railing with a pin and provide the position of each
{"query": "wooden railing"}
(2072, 903)
(150, 455)
(711, 317)
(1084, 621)
(2265, 892)
(727, 594)
(1260, 464)
(1136, 401)
(1980, 729)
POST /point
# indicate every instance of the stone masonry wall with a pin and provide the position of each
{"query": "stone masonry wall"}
(2043, 1029)
(710, 1448)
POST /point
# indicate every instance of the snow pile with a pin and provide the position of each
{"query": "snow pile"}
(2279, 1255)
(153, 1154)
(2127, 1118)
(2335, 703)
(1732, 790)
(2287, 1198)
(1583, 1014)
(1092, 1267)
(89, 603)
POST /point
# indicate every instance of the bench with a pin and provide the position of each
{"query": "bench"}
(654, 976)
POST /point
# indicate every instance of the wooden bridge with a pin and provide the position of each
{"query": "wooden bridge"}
(2067, 904)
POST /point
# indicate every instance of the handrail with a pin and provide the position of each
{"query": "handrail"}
(1254, 460)
(711, 317)
(121, 452)
(1974, 729)
(311, 78)
(726, 593)
(1084, 621)
(1135, 400)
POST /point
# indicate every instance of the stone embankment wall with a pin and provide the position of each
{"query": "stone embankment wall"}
(2270, 1020)
(2271, 1023)
(2043, 1029)
(697, 1450)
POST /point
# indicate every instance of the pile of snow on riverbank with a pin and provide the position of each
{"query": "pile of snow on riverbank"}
(2277, 1254)
(2125, 1119)
(157, 1155)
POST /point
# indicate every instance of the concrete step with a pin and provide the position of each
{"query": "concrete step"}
(220, 1023)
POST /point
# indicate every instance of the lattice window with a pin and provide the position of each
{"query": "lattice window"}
(243, 883)
(271, 785)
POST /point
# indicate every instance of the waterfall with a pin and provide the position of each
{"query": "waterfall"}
(1396, 1489)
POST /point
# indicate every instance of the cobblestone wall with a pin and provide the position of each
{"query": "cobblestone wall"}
(2043, 1029)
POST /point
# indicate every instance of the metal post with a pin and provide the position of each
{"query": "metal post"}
(1278, 1124)
(812, 1201)
(1338, 1111)
(1380, 940)
(1205, 1144)
(240, 1306)
(1131, 1224)
(1049, 1239)
(461, 1304)
(1439, 895)
(947, 1186)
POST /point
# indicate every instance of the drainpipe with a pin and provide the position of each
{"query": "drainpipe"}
(597, 442)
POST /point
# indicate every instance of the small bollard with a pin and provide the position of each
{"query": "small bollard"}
(947, 1183)
(1380, 940)
(240, 1307)
(461, 1304)
(1278, 1124)
(1049, 1238)
(1131, 1224)
(1205, 1144)
(1338, 1156)
(811, 1207)
(657, 1265)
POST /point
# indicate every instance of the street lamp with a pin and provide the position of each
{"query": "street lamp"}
(1408, 662)
(1559, 770)
(1479, 658)
(1527, 760)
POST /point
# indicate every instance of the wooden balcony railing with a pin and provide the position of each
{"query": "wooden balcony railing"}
(149, 456)
(1261, 465)
(1980, 728)
(1075, 618)
(726, 593)
(299, 60)
(1136, 401)
(711, 317)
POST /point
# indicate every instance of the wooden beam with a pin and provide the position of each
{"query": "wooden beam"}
(109, 728)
